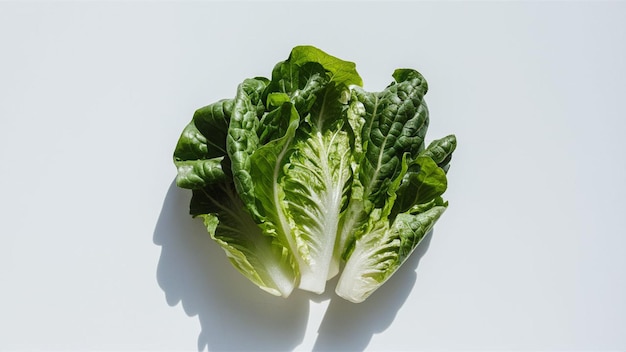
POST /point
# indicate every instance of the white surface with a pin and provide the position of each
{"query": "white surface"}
(97, 251)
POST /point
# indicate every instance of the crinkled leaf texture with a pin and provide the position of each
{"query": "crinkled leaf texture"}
(260, 258)
(381, 249)
(302, 174)
(316, 186)
(392, 232)
(295, 178)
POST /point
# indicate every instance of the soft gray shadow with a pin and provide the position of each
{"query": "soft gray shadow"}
(234, 314)
(350, 326)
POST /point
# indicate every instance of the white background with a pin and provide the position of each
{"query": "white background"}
(96, 248)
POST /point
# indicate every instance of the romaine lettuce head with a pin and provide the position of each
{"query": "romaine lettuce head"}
(305, 172)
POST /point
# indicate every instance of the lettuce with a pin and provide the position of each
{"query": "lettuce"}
(305, 173)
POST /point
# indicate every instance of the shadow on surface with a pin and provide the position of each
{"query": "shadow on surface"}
(350, 326)
(234, 314)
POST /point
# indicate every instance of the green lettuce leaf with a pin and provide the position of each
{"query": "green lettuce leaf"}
(383, 247)
(440, 150)
(317, 185)
(258, 257)
(392, 232)
(397, 198)
(396, 121)
(341, 72)
(422, 182)
(389, 126)
(266, 172)
(242, 139)
(201, 148)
